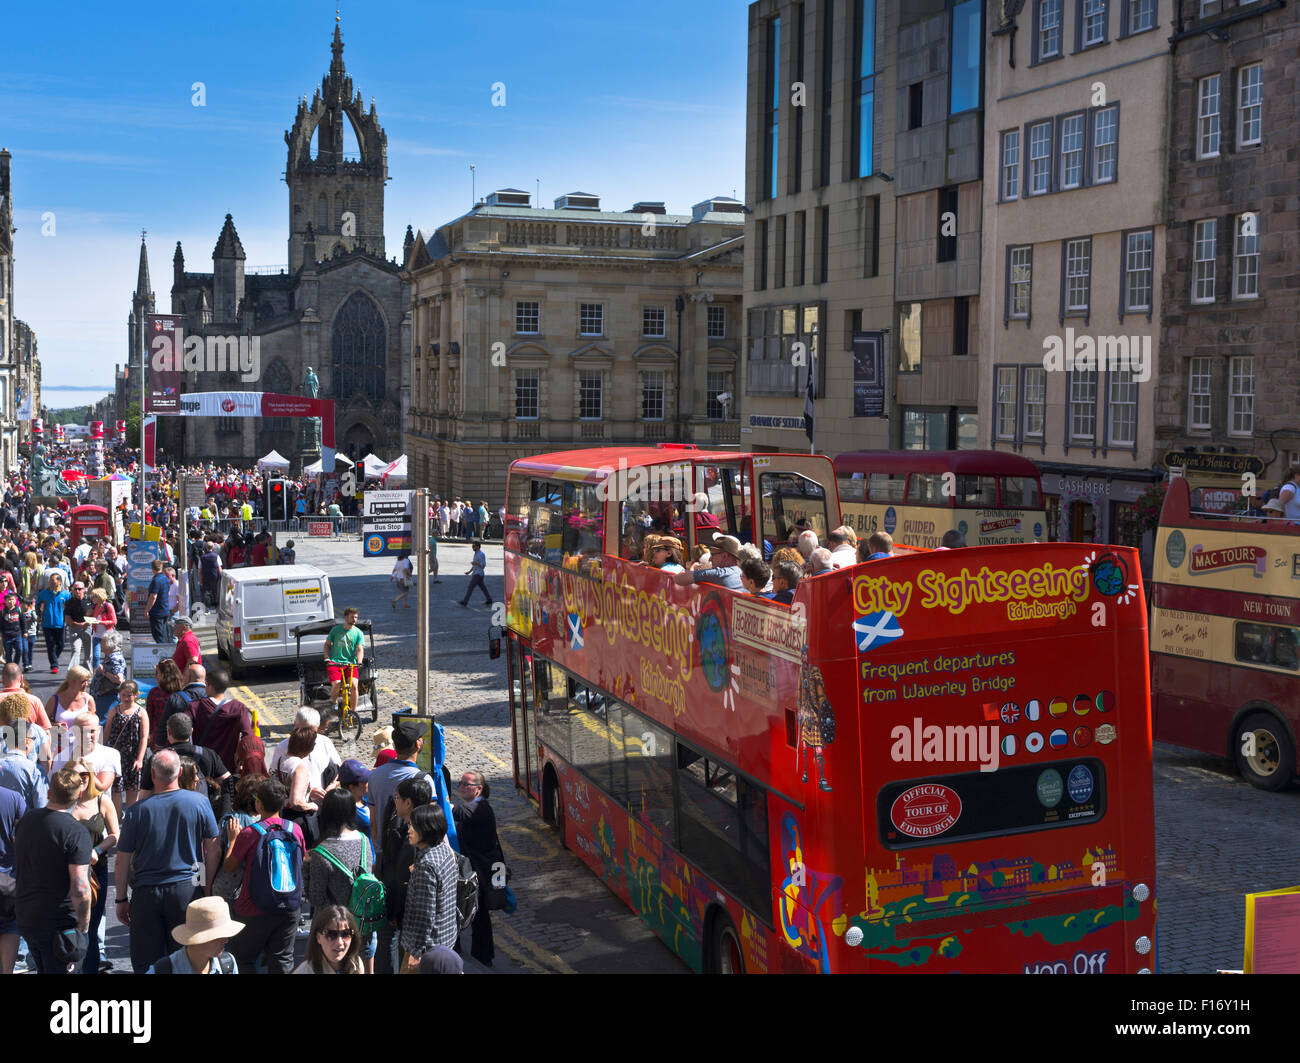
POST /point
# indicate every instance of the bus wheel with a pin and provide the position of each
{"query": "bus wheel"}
(553, 803)
(1264, 753)
(726, 952)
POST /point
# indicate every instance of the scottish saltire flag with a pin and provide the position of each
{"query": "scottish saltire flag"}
(575, 631)
(809, 396)
(875, 629)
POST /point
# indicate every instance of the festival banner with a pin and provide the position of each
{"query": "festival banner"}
(164, 336)
(150, 426)
(96, 430)
(38, 426)
(264, 404)
(24, 404)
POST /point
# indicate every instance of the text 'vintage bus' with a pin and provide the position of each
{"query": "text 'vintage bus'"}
(1225, 637)
(917, 495)
(938, 762)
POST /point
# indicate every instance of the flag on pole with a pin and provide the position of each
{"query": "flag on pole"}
(809, 397)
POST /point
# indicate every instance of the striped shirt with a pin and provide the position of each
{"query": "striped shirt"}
(430, 917)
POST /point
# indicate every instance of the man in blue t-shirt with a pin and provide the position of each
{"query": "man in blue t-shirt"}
(722, 569)
(165, 841)
(159, 603)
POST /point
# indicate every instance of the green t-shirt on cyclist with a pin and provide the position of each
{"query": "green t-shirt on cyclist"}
(342, 644)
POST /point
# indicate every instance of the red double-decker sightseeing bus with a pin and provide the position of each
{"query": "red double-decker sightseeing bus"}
(935, 762)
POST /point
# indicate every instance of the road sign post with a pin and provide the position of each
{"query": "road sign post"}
(421, 554)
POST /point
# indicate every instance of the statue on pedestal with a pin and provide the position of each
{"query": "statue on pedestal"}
(47, 484)
(311, 430)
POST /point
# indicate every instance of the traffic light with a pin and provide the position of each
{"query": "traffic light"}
(277, 500)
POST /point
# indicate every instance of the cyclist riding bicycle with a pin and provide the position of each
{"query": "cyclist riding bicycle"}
(344, 648)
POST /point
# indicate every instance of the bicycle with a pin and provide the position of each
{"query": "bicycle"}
(349, 718)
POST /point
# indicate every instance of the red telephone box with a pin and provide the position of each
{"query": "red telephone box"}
(89, 522)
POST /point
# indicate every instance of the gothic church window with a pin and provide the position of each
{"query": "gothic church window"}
(359, 346)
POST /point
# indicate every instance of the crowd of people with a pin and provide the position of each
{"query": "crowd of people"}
(223, 854)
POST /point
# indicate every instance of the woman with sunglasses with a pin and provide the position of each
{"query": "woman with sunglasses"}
(335, 943)
(96, 813)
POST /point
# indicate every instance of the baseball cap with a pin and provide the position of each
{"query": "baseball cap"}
(352, 772)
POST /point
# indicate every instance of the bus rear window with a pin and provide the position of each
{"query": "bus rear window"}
(791, 504)
(1267, 644)
(1011, 800)
(1020, 492)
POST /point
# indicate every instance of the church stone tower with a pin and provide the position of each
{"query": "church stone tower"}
(341, 197)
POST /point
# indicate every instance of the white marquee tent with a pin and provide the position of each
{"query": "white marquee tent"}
(274, 460)
(317, 467)
(395, 473)
(374, 466)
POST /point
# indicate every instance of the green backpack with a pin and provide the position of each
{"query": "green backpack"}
(367, 901)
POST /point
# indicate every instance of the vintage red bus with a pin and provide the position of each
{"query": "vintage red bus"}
(937, 762)
(917, 495)
(1225, 637)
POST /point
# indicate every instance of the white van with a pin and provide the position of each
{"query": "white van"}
(258, 608)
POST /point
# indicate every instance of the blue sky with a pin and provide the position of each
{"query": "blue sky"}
(99, 119)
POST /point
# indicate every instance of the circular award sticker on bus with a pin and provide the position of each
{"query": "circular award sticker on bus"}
(1080, 784)
(1106, 734)
(891, 519)
(1050, 788)
(925, 811)
(1175, 548)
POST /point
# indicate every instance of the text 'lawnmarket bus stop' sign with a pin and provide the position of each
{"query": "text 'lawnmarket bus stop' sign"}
(386, 523)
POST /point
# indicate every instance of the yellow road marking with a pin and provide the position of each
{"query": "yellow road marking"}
(549, 960)
(264, 712)
(459, 734)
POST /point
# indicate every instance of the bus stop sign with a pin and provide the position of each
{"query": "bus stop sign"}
(386, 523)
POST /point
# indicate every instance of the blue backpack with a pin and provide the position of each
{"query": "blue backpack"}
(275, 877)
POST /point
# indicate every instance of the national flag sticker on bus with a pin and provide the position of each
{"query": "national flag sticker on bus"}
(925, 811)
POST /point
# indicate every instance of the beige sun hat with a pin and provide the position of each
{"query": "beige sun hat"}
(206, 919)
(729, 543)
(1274, 505)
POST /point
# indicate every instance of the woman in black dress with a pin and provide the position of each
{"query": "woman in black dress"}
(476, 829)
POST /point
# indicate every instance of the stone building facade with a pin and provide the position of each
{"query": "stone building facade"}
(8, 364)
(820, 238)
(1074, 255)
(338, 307)
(27, 365)
(1227, 369)
(537, 329)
